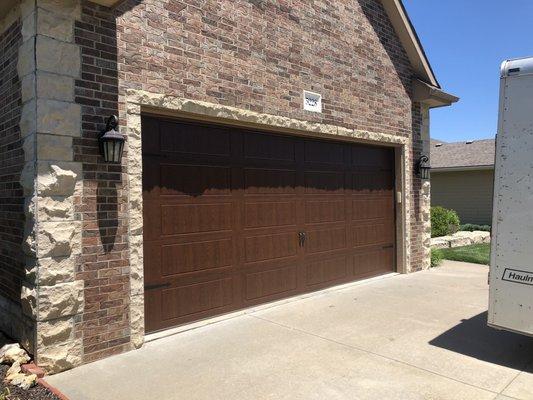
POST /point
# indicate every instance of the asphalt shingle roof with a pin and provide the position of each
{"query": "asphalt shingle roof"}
(462, 154)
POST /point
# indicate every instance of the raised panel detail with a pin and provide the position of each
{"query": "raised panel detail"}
(268, 247)
(326, 239)
(324, 271)
(374, 182)
(371, 208)
(324, 152)
(192, 299)
(196, 256)
(267, 214)
(368, 235)
(269, 181)
(194, 139)
(194, 180)
(269, 147)
(317, 211)
(324, 182)
(194, 218)
(268, 283)
(381, 260)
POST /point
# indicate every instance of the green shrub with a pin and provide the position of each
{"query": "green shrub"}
(443, 222)
(474, 227)
(436, 258)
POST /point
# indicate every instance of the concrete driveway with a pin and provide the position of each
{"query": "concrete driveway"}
(419, 336)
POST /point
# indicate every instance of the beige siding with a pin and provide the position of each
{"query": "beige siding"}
(467, 192)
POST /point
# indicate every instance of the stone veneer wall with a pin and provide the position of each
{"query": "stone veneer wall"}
(11, 163)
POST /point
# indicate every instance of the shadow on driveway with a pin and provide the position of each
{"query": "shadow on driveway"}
(473, 338)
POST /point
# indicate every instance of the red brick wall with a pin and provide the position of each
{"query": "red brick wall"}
(417, 228)
(251, 54)
(104, 264)
(11, 164)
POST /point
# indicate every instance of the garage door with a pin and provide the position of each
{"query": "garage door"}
(235, 218)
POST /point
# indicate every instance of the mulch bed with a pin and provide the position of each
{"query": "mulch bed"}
(35, 393)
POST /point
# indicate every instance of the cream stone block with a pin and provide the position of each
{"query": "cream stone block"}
(58, 178)
(28, 118)
(136, 264)
(54, 332)
(28, 147)
(28, 88)
(29, 244)
(26, 8)
(58, 239)
(66, 8)
(56, 270)
(28, 27)
(26, 58)
(61, 300)
(60, 357)
(27, 178)
(57, 57)
(28, 299)
(137, 321)
(55, 87)
(55, 25)
(54, 148)
(55, 209)
(58, 117)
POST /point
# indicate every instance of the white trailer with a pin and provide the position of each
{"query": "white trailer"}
(511, 261)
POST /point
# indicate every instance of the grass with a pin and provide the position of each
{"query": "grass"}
(476, 253)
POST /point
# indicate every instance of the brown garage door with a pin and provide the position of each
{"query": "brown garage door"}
(234, 218)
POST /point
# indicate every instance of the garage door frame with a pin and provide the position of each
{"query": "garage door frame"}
(141, 102)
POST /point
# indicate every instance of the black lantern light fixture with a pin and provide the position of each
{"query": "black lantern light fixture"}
(423, 167)
(112, 142)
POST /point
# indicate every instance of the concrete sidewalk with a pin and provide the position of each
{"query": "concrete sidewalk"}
(419, 336)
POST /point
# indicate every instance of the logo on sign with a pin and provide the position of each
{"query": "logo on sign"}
(517, 276)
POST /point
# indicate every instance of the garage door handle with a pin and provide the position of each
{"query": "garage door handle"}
(301, 238)
(157, 286)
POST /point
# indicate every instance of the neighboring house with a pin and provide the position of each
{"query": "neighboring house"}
(462, 178)
(229, 193)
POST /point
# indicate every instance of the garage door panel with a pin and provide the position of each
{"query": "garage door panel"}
(192, 299)
(372, 182)
(324, 152)
(269, 214)
(270, 247)
(320, 240)
(269, 181)
(332, 269)
(194, 180)
(319, 182)
(195, 218)
(224, 209)
(275, 281)
(269, 147)
(194, 139)
(325, 210)
(190, 257)
(373, 262)
(372, 234)
(368, 208)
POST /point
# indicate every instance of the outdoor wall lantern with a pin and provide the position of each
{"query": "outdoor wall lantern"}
(112, 142)
(423, 167)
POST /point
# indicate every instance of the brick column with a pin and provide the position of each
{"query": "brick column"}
(48, 66)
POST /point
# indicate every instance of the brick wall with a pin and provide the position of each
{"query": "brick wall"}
(11, 164)
(257, 55)
(104, 327)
